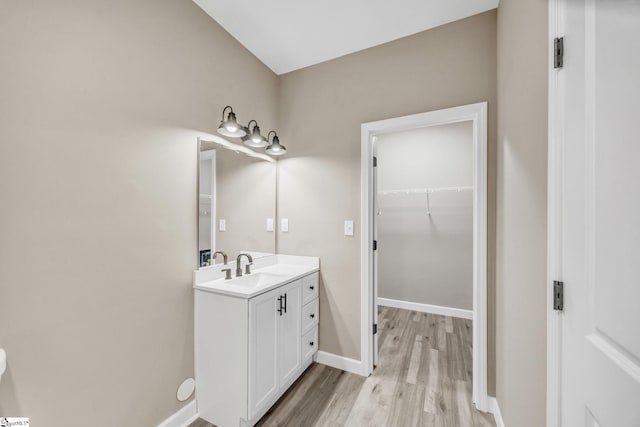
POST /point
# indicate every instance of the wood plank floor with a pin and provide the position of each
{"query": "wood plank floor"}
(423, 378)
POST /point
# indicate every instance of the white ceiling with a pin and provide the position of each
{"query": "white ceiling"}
(290, 34)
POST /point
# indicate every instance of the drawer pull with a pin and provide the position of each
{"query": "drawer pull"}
(312, 287)
(311, 343)
(312, 315)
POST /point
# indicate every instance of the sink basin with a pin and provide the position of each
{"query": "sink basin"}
(256, 279)
(284, 270)
(270, 272)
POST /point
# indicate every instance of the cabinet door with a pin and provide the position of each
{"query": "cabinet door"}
(290, 331)
(263, 349)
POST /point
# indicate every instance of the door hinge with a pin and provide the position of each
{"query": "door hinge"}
(558, 295)
(375, 245)
(558, 52)
(375, 161)
(375, 328)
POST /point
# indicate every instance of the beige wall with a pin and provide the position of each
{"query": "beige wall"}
(321, 110)
(100, 109)
(521, 211)
(100, 106)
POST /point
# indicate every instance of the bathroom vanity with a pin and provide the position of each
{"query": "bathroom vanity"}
(255, 335)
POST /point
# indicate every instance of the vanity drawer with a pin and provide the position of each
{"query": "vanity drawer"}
(309, 288)
(310, 316)
(309, 343)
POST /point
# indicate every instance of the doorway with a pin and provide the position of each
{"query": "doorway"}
(424, 219)
(476, 115)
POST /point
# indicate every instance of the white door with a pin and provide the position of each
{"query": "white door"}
(263, 349)
(290, 332)
(598, 184)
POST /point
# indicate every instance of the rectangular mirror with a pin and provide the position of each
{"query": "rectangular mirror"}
(237, 201)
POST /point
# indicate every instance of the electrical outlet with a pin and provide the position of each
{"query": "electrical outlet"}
(269, 224)
(284, 225)
(222, 225)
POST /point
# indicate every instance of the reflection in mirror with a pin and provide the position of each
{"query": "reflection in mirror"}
(237, 200)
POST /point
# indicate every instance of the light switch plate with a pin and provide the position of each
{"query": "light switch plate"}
(284, 225)
(348, 227)
(269, 224)
(222, 225)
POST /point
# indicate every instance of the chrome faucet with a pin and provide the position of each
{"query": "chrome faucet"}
(224, 256)
(247, 267)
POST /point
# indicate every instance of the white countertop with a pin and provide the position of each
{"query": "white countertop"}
(267, 273)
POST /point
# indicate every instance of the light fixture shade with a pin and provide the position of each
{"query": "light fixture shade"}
(254, 138)
(231, 127)
(275, 149)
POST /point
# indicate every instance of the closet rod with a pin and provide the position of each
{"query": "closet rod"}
(424, 190)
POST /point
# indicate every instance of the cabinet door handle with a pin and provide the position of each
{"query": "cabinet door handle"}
(312, 287)
(311, 344)
(285, 302)
(280, 305)
(312, 315)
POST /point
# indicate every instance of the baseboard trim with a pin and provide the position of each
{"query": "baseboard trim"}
(183, 417)
(495, 408)
(426, 308)
(340, 362)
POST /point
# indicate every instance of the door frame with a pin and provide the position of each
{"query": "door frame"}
(554, 215)
(211, 156)
(477, 113)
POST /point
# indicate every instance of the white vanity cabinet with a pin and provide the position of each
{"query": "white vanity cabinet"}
(250, 350)
(274, 343)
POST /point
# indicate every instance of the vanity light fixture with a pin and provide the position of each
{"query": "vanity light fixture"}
(274, 148)
(231, 127)
(254, 138)
(251, 136)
